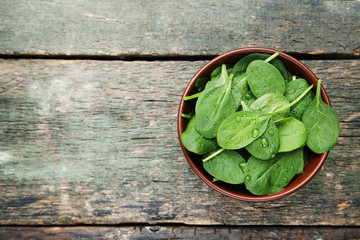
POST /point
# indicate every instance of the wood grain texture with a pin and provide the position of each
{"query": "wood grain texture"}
(95, 142)
(182, 232)
(127, 28)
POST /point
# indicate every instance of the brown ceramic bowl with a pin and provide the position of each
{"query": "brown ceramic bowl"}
(314, 161)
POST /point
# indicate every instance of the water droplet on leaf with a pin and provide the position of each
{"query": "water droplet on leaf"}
(243, 166)
(238, 118)
(248, 96)
(253, 121)
(255, 133)
(271, 132)
(247, 178)
(264, 142)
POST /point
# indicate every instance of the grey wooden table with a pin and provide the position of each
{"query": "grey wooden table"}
(88, 107)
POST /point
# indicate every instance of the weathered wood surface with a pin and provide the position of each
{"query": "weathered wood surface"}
(155, 27)
(95, 142)
(183, 232)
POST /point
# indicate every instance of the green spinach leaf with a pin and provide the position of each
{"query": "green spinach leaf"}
(270, 176)
(322, 124)
(267, 145)
(243, 63)
(226, 167)
(196, 143)
(216, 72)
(264, 78)
(249, 98)
(241, 128)
(201, 83)
(271, 102)
(239, 89)
(292, 133)
(293, 90)
(214, 104)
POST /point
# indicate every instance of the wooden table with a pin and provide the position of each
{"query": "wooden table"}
(88, 106)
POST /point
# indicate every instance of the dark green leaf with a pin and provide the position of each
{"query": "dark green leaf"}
(242, 64)
(292, 134)
(216, 72)
(264, 78)
(196, 143)
(322, 124)
(241, 128)
(239, 89)
(293, 90)
(215, 103)
(271, 102)
(266, 146)
(226, 167)
(201, 83)
(270, 176)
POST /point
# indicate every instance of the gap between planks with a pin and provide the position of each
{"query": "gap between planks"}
(173, 224)
(169, 57)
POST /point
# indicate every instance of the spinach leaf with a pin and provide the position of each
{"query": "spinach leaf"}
(239, 89)
(226, 167)
(241, 128)
(196, 143)
(270, 176)
(216, 72)
(322, 124)
(302, 163)
(293, 90)
(249, 98)
(201, 83)
(271, 102)
(266, 146)
(214, 104)
(288, 77)
(245, 107)
(243, 63)
(263, 78)
(292, 134)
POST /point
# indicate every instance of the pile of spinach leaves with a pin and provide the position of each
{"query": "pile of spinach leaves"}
(252, 121)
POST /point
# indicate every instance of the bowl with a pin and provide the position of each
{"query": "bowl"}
(314, 161)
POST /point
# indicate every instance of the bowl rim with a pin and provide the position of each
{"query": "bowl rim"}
(282, 193)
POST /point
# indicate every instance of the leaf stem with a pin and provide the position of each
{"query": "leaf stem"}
(196, 95)
(187, 116)
(272, 57)
(244, 106)
(293, 102)
(213, 154)
(318, 90)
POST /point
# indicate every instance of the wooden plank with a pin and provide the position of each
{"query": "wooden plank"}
(180, 232)
(153, 28)
(95, 142)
